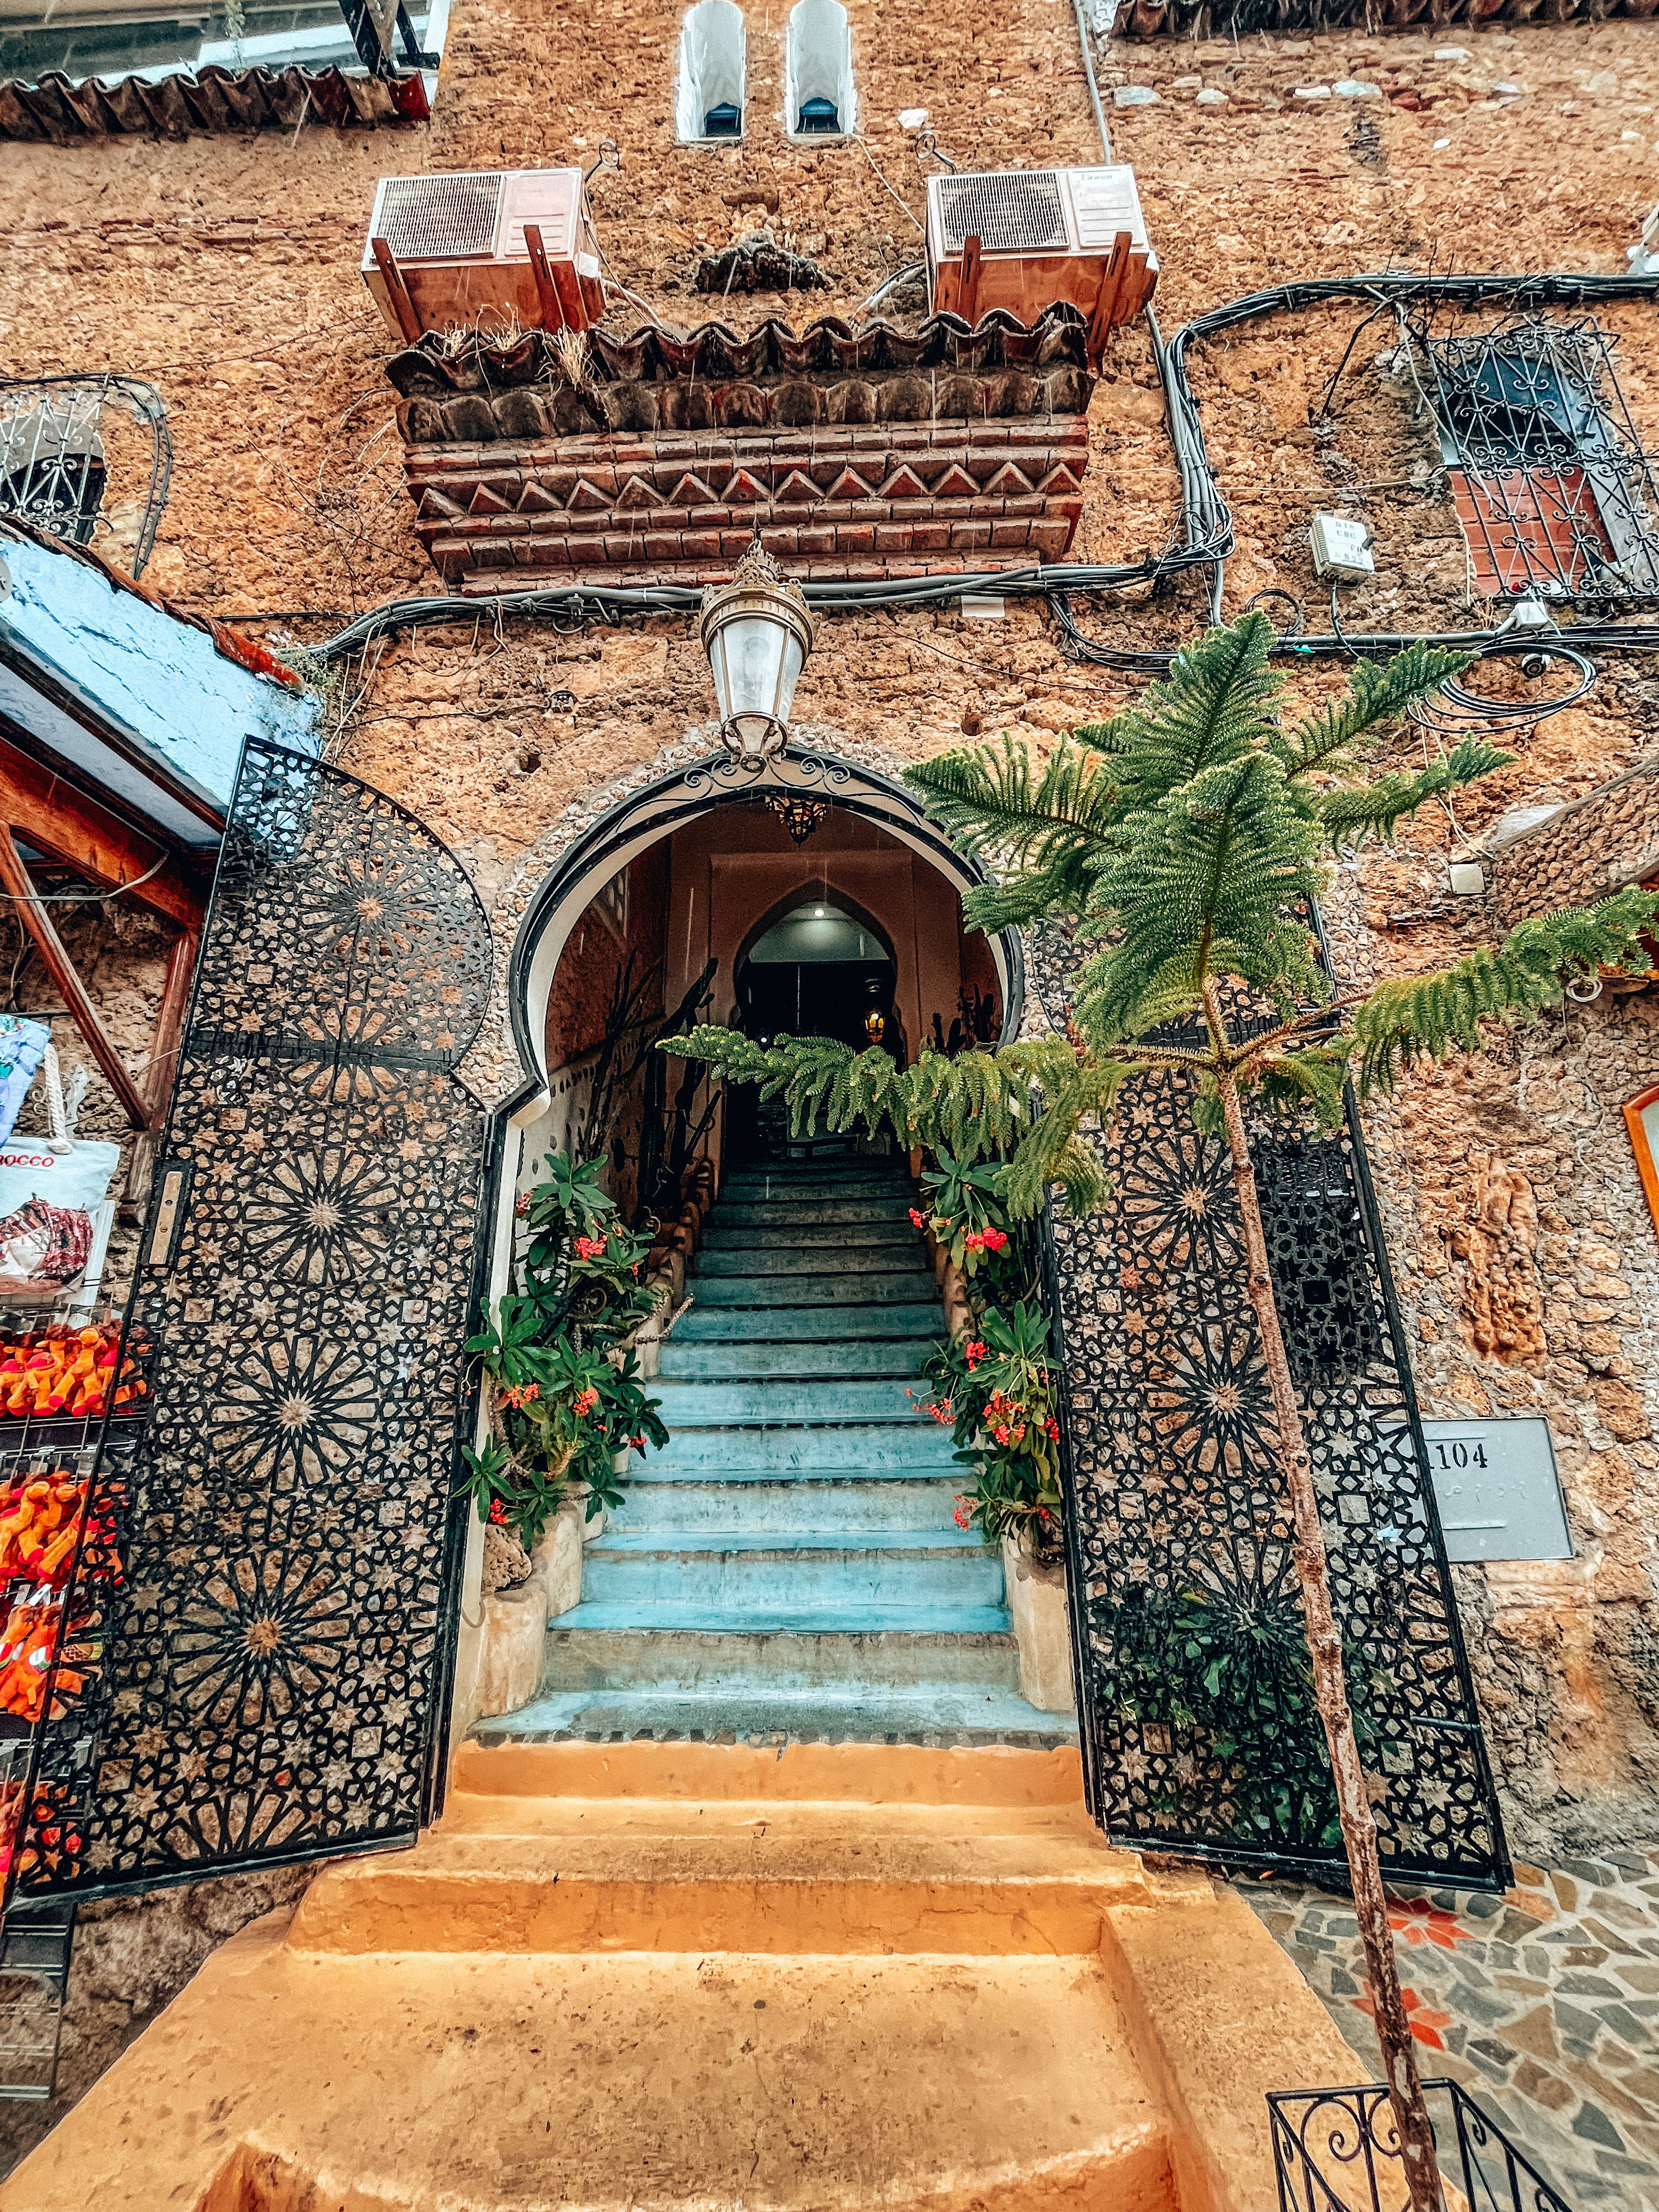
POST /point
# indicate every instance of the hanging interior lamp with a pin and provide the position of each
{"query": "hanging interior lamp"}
(800, 817)
(757, 633)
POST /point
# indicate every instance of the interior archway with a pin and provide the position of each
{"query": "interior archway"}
(647, 923)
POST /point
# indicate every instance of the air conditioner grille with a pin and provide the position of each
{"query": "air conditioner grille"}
(440, 218)
(1017, 212)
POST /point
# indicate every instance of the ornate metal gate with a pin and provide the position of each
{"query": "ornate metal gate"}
(259, 1637)
(1199, 1727)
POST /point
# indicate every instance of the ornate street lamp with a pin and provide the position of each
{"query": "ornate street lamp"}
(757, 633)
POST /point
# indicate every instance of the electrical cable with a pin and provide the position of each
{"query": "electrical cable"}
(83, 898)
(1206, 522)
(1094, 89)
(898, 277)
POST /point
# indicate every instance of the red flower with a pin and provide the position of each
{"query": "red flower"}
(973, 1242)
(919, 1220)
(498, 1512)
(964, 1516)
(521, 1203)
(1001, 1435)
(586, 1403)
(974, 1353)
(638, 1442)
(1423, 2020)
(941, 1413)
(590, 1247)
(993, 1240)
(1052, 1427)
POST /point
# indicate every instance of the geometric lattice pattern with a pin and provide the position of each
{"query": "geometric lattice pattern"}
(1552, 489)
(1198, 1720)
(264, 1616)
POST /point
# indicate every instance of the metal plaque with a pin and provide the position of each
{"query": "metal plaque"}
(1498, 1489)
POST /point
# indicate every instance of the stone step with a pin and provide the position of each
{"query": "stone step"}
(879, 1450)
(622, 1647)
(812, 1231)
(819, 1288)
(790, 1324)
(783, 1403)
(798, 1879)
(803, 1977)
(762, 1576)
(809, 1262)
(899, 1356)
(801, 1212)
(793, 1188)
(766, 1506)
(839, 1714)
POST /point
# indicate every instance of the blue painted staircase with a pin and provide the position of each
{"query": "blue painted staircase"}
(789, 1567)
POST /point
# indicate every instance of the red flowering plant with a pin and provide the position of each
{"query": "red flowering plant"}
(564, 1387)
(966, 1211)
(994, 1386)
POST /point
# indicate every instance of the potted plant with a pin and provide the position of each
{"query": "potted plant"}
(566, 1398)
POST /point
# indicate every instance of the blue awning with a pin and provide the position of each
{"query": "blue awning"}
(131, 700)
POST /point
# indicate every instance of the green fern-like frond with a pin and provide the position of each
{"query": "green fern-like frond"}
(1212, 706)
(1375, 695)
(1311, 1079)
(1423, 1015)
(1353, 811)
(991, 798)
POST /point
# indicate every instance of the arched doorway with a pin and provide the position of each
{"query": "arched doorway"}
(819, 965)
(645, 920)
(790, 1558)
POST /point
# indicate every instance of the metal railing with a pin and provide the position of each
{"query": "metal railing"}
(1338, 2150)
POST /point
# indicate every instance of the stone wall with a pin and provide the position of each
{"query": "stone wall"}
(226, 270)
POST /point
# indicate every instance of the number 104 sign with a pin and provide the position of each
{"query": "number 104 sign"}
(1497, 1490)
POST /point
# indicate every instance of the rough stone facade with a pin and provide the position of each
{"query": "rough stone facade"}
(225, 270)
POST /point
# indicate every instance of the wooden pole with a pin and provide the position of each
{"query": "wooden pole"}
(1353, 1805)
(37, 919)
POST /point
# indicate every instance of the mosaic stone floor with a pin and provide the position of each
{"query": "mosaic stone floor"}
(1544, 2004)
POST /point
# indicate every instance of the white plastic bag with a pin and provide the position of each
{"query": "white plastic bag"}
(47, 1204)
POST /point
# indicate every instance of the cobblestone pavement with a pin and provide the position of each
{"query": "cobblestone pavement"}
(1543, 2003)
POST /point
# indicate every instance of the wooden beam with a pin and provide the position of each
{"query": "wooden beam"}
(37, 919)
(170, 1024)
(398, 292)
(55, 817)
(552, 311)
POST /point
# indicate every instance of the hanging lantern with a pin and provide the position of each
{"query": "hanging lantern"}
(800, 817)
(757, 633)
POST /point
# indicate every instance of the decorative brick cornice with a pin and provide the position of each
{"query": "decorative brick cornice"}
(857, 454)
(844, 500)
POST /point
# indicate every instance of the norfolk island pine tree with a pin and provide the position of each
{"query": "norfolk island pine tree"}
(1185, 840)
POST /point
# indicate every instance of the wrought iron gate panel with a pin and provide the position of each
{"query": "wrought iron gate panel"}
(265, 1615)
(1199, 1725)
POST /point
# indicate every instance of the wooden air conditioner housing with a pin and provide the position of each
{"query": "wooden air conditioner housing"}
(1024, 239)
(481, 248)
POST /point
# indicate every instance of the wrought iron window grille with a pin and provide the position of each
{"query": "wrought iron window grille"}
(1553, 489)
(1338, 2150)
(73, 446)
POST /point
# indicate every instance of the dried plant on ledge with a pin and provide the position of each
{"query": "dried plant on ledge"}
(1183, 839)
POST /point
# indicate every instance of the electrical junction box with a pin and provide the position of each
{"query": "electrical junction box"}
(1468, 878)
(1342, 548)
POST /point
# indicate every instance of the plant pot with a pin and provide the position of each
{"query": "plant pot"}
(1043, 1627)
(577, 1497)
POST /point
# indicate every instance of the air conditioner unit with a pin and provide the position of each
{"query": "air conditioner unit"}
(483, 248)
(1023, 239)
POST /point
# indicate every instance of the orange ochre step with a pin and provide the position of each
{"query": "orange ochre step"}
(692, 1976)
